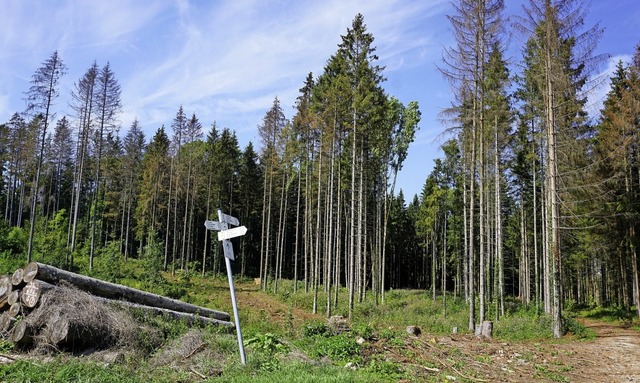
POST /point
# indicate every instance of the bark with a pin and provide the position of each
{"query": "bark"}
(109, 290)
(190, 318)
(65, 333)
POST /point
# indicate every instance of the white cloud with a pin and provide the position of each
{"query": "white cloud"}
(253, 51)
(601, 84)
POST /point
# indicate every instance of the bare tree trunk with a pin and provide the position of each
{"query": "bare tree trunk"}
(297, 239)
(553, 197)
(316, 267)
(207, 235)
(184, 259)
(498, 215)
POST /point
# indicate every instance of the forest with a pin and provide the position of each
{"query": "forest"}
(532, 200)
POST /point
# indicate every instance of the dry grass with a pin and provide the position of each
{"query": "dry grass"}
(93, 323)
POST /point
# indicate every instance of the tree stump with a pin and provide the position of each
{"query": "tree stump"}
(485, 330)
(338, 324)
(414, 330)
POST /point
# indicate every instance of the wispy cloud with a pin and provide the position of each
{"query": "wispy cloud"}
(222, 60)
(254, 51)
(601, 85)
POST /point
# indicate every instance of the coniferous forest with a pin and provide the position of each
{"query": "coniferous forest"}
(531, 200)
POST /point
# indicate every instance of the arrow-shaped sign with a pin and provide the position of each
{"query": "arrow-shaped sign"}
(215, 225)
(227, 247)
(229, 219)
(231, 233)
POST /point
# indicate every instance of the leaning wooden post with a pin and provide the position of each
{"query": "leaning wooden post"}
(224, 235)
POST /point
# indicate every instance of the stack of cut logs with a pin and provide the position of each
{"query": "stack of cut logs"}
(22, 292)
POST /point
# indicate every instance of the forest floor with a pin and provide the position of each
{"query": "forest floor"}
(613, 355)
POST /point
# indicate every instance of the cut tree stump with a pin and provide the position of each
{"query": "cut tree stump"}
(338, 324)
(485, 330)
(109, 290)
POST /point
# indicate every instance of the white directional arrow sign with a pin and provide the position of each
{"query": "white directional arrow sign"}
(215, 225)
(229, 219)
(232, 233)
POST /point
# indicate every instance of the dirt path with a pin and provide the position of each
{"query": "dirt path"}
(614, 356)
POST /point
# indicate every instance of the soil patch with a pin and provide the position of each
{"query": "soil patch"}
(614, 356)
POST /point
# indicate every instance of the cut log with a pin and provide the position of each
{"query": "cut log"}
(32, 291)
(16, 278)
(14, 309)
(30, 272)
(175, 315)
(22, 334)
(3, 301)
(109, 290)
(64, 333)
(5, 285)
(6, 321)
(13, 297)
(156, 311)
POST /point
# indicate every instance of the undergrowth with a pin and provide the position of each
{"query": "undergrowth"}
(272, 337)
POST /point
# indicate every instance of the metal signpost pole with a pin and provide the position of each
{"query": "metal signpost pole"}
(227, 261)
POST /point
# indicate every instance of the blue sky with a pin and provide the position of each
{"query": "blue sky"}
(226, 61)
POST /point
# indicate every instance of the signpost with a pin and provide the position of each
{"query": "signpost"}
(224, 235)
(231, 233)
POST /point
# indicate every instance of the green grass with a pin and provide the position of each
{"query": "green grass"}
(299, 372)
(273, 337)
